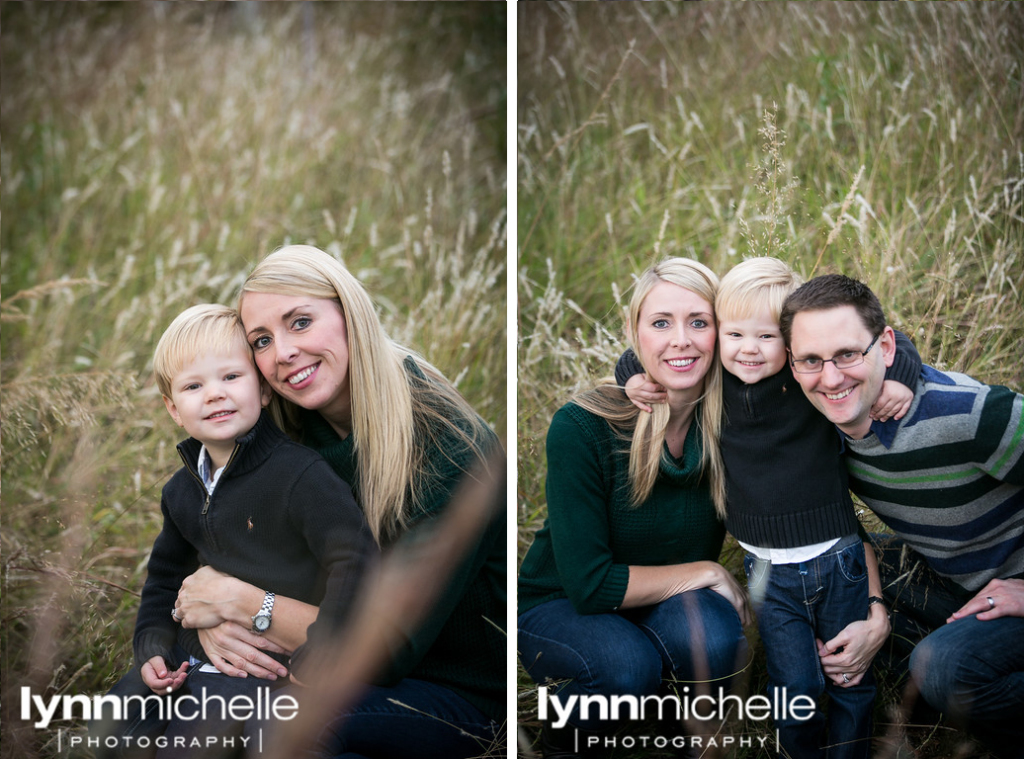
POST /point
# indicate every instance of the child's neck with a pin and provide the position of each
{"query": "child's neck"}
(219, 453)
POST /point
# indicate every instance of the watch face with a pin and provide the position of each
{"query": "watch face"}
(261, 623)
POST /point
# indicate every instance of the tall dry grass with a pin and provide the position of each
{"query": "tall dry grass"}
(152, 153)
(881, 140)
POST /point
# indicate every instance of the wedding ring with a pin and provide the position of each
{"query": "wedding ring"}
(174, 614)
(991, 602)
(846, 678)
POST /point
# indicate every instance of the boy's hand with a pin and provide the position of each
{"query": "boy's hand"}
(894, 401)
(642, 392)
(155, 675)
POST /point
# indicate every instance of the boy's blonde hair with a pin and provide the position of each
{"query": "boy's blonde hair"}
(647, 431)
(394, 414)
(755, 286)
(200, 329)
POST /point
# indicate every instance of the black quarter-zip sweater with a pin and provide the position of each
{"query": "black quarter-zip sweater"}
(279, 518)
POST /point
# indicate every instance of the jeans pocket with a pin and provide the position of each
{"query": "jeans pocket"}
(852, 563)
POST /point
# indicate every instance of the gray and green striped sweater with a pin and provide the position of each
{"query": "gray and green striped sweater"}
(948, 478)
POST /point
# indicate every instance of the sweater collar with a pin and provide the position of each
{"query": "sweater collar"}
(884, 431)
(339, 452)
(251, 449)
(766, 390)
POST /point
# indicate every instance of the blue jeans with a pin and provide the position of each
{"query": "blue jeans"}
(139, 736)
(795, 604)
(694, 636)
(979, 681)
(429, 722)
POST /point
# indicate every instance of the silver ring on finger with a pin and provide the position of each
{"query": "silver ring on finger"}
(846, 678)
(991, 602)
(174, 614)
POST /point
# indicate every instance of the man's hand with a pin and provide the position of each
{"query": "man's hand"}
(1007, 601)
(850, 653)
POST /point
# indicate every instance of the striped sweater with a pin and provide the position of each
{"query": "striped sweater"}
(949, 477)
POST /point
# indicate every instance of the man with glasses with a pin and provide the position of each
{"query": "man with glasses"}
(948, 479)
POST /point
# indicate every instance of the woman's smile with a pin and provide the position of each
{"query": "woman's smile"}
(301, 346)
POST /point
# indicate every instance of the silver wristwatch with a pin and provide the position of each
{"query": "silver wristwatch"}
(261, 620)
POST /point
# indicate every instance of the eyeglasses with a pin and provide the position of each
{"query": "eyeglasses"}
(846, 360)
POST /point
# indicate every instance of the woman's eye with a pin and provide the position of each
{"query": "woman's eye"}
(302, 322)
(261, 342)
(699, 323)
(660, 323)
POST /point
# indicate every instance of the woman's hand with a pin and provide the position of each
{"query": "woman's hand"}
(724, 584)
(238, 652)
(642, 393)
(653, 584)
(208, 597)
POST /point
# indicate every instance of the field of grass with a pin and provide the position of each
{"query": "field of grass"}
(881, 140)
(152, 153)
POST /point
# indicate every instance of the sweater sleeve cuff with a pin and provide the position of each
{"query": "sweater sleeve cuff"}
(627, 366)
(906, 365)
(150, 643)
(612, 592)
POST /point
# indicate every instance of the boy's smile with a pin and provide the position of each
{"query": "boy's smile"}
(751, 349)
(217, 398)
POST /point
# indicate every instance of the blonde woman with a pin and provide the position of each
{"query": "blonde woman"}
(391, 425)
(621, 586)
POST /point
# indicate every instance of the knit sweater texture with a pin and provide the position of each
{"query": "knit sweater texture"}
(461, 645)
(279, 518)
(786, 486)
(948, 478)
(593, 534)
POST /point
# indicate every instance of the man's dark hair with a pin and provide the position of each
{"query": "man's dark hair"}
(832, 291)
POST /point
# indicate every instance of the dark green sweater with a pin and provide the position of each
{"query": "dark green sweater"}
(462, 643)
(592, 534)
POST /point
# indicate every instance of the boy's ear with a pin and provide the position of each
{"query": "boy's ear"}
(172, 410)
(265, 392)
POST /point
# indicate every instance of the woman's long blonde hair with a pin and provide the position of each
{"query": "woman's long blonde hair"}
(647, 431)
(394, 414)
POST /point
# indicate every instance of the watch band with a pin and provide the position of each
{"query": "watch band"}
(261, 620)
(872, 600)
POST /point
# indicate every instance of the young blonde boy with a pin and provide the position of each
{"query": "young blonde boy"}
(809, 571)
(248, 502)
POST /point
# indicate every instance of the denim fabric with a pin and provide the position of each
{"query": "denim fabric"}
(414, 718)
(134, 726)
(693, 637)
(795, 604)
(969, 669)
(974, 671)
